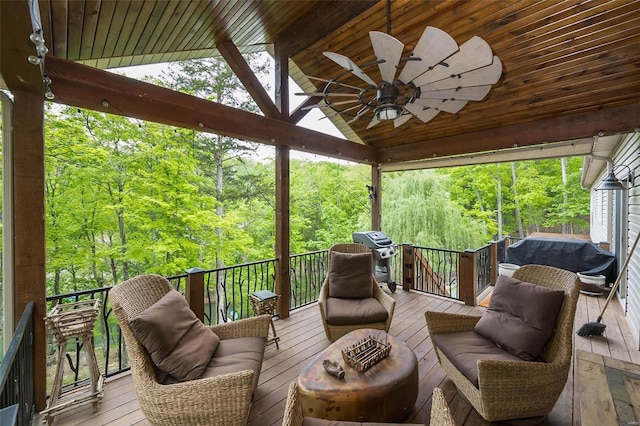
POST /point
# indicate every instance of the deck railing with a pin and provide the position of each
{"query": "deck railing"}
(308, 271)
(483, 268)
(433, 271)
(16, 372)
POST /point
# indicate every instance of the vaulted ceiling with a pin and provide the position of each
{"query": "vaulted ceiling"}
(571, 69)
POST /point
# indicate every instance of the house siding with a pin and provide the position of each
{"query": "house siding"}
(630, 155)
(603, 217)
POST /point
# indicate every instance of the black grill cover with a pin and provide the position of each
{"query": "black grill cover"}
(566, 253)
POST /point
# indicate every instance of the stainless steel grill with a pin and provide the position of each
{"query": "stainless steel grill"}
(383, 250)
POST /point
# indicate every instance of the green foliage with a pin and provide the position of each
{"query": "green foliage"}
(417, 208)
(541, 195)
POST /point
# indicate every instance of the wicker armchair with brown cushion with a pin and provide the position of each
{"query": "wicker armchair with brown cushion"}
(185, 373)
(350, 297)
(512, 362)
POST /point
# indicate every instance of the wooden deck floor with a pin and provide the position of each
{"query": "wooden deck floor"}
(302, 337)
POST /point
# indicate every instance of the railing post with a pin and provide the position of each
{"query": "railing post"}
(194, 291)
(494, 261)
(467, 275)
(408, 271)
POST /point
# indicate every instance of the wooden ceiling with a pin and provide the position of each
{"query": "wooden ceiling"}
(571, 68)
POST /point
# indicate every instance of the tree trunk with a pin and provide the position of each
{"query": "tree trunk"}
(563, 164)
(499, 201)
(220, 290)
(515, 200)
(484, 222)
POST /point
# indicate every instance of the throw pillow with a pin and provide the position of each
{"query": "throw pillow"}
(521, 317)
(177, 341)
(350, 275)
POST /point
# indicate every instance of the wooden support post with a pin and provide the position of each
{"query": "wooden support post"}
(194, 291)
(283, 251)
(283, 284)
(467, 276)
(408, 271)
(28, 226)
(376, 201)
(494, 262)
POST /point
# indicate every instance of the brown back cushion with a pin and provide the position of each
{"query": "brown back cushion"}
(521, 317)
(177, 341)
(350, 275)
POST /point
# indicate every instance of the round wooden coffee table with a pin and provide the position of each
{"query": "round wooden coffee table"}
(384, 393)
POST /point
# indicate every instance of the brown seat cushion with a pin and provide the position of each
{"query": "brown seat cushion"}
(521, 317)
(355, 311)
(350, 275)
(464, 349)
(233, 355)
(177, 341)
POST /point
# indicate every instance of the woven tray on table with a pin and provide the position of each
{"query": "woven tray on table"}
(365, 353)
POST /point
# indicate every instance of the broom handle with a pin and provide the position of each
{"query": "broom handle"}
(617, 282)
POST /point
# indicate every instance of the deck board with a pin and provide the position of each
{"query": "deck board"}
(302, 337)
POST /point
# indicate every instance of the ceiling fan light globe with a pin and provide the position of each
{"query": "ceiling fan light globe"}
(388, 112)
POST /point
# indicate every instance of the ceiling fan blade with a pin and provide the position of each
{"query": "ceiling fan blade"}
(401, 120)
(481, 76)
(351, 95)
(373, 122)
(334, 82)
(349, 65)
(334, 113)
(389, 49)
(324, 104)
(434, 46)
(423, 113)
(442, 105)
(359, 114)
(345, 110)
(473, 54)
(473, 93)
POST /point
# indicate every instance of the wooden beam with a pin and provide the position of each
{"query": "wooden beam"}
(609, 121)
(15, 47)
(87, 87)
(28, 226)
(236, 61)
(283, 282)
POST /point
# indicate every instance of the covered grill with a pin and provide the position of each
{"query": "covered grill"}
(383, 250)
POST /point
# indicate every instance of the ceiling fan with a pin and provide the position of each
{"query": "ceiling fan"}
(437, 76)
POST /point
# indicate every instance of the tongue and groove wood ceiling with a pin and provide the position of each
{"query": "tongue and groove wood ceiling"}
(571, 68)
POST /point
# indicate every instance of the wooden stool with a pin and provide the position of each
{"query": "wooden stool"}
(264, 302)
(67, 322)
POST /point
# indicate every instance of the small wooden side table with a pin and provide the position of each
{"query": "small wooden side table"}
(264, 302)
(67, 322)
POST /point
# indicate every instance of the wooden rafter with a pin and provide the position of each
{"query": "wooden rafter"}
(234, 58)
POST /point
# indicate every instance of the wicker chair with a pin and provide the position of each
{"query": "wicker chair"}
(440, 413)
(221, 400)
(517, 389)
(334, 332)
